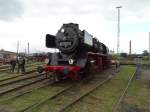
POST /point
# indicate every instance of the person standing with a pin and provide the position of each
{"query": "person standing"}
(21, 65)
(138, 62)
(117, 64)
(12, 65)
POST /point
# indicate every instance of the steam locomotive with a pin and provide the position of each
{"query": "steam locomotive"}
(79, 53)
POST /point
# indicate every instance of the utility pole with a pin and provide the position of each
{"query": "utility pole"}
(28, 49)
(17, 48)
(118, 30)
(149, 46)
(130, 48)
(25, 52)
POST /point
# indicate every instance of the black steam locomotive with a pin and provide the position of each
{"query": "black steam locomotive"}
(78, 53)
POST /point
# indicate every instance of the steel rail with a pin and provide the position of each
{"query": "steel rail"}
(123, 93)
(21, 86)
(33, 106)
(84, 95)
(29, 108)
(27, 91)
(19, 75)
(21, 79)
(5, 69)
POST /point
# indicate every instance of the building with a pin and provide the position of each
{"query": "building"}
(5, 56)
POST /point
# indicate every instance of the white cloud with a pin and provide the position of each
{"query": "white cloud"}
(10, 9)
(98, 17)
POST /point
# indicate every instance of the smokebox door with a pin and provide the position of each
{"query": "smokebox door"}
(50, 41)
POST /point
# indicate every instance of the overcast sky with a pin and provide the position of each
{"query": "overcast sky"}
(30, 20)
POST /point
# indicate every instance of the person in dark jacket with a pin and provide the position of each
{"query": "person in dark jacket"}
(12, 65)
(21, 65)
(138, 62)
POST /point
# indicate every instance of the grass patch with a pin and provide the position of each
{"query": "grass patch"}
(101, 100)
(26, 100)
(104, 98)
(138, 96)
(8, 74)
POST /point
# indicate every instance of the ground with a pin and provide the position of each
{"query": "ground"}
(138, 96)
(102, 99)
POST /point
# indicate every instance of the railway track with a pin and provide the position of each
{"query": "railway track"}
(50, 95)
(120, 99)
(9, 76)
(6, 88)
(7, 68)
(25, 90)
(82, 96)
(14, 76)
(45, 88)
(29, 108)
(66, 95)
(3, 66)
(18, 78)
(28, 64)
